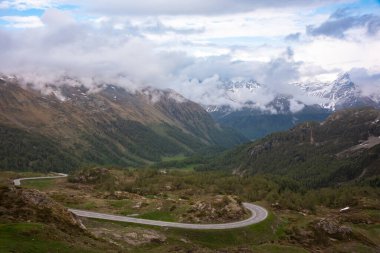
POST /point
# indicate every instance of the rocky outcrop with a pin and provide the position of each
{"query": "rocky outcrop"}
(331, 228)
(17, 204)
(321, 233)
(219, 209)
(135, 237)
(91, 176)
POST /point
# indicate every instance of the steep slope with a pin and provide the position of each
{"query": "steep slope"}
(255, 124)
(342, 148)
(30, 221)
(70, 125)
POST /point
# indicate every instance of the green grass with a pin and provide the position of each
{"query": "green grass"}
(353, 247)
(90, 205)
(39, 184)
(118, 203)
(158, 215)
(276, 248)
(256, 236)
(371, 231)
(85, 206)
(6, 176)
(173, 158)
(150, 196)
(187, 168)
(33, 238)
(374, 213)
(215, 239)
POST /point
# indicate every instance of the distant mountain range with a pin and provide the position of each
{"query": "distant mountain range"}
(256, 120)
(340, 94)
(68, 126)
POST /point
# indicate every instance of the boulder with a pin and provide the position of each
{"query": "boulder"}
(333, 229)
(18, 204)
(217, 209)
(91, 176)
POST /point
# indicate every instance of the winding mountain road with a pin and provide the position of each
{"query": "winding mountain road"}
(17, 182)
(258, 214)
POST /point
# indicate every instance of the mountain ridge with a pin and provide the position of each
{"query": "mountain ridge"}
(339, 149)
(255, 120)
(338, 94)
(108, 126)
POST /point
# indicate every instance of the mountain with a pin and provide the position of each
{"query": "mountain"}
(255, 120)
(344, 147)
(340, 94)
(65, 126)
(254, 123)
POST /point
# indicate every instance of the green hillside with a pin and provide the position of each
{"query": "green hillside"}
(110, 127)
(342, 148)
(254, 124)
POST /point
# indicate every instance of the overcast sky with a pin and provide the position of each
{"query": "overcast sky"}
(194, 43)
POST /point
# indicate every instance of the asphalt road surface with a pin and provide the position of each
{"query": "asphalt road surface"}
(258, 214)
(17, 181)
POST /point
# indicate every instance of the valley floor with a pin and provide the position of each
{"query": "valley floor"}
(120, 192)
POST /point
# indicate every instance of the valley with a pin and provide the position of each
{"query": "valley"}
(72, 127)
(176, 181)
(166, 126)
(296, 222)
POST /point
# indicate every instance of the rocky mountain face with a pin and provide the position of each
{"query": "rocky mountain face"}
(255, 120)
(62, 127)
(342, 148)
(340, 94)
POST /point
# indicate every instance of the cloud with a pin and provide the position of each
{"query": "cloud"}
(22, 21)
(99, 55)
(28, 4)
(341, 21)
(194, 7)
(207, 79)
(158, 27)
(369, 82)
(293, 37)
(193, 55)
(57, 18)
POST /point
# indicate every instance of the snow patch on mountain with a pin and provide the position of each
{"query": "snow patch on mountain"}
(338, 94)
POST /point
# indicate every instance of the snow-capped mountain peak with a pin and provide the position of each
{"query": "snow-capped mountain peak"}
(338, 94)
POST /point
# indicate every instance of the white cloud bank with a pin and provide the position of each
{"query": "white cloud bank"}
(191, 54)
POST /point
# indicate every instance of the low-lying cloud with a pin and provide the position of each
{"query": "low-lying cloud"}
(101, 54)
(93, 55)
(369, 82)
